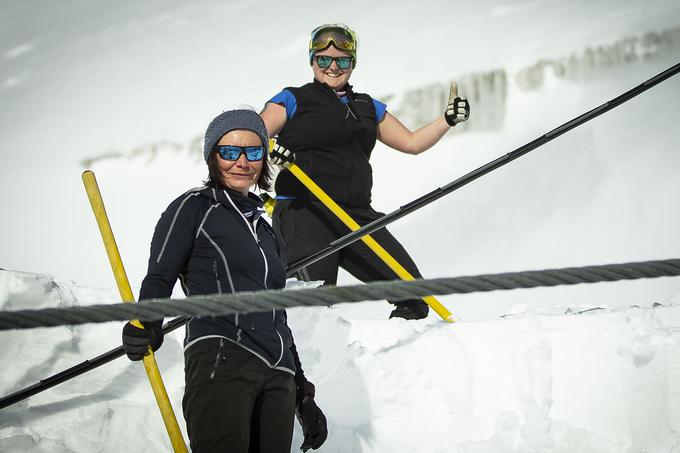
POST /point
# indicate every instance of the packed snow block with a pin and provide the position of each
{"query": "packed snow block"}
(558, 380)
(601, 381)
(32, 352)
(25, 290)
(148, 153)
(594, 61)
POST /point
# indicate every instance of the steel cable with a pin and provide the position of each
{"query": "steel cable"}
(244, 302)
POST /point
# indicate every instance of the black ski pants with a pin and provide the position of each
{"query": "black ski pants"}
(234, 402)
(306, 226)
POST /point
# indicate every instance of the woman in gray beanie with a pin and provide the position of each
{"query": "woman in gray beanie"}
(244, 381)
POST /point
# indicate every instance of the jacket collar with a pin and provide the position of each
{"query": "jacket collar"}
(349, 108)
(347, 88)
(250, 206)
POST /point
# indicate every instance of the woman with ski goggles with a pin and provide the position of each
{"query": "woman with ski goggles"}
(330, 131)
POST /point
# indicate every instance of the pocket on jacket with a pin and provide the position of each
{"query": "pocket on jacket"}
(199, 360)
(220, 358)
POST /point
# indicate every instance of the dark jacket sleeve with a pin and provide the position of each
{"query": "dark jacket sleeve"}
(300, 378)
(171, 247)
(302, 386)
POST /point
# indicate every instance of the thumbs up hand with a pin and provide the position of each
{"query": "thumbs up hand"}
(458, 108)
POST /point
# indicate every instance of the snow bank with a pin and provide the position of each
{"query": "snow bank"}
(603, 380)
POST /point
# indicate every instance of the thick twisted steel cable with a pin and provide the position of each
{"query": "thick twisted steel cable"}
(222, 304)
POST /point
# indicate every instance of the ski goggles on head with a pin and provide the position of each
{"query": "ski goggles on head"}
(338, 35)
(341, 38)
(325, 61)
(233, 152)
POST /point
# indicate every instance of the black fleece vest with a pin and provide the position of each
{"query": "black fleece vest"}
(332, 142)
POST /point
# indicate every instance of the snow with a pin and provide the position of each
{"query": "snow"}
(127, 88)
(604, 380)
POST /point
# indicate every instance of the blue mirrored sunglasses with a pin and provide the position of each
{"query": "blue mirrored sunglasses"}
(233, 152)
(324, 61)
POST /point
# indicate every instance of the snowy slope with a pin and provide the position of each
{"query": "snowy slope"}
(128, 87)
(602, 381)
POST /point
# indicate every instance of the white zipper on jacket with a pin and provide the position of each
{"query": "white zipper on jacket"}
(217, 278)
(266, 271)
(253, 231)
(266, 264)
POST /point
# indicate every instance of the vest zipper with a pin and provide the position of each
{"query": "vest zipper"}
(349, 110)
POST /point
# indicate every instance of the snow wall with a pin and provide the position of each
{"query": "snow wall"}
(558, 379)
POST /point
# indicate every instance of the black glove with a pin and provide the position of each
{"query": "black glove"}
(458, 109)
(311, 418)
(279, 155)
(136, 341)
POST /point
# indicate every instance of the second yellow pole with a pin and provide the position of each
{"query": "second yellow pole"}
(379, 250)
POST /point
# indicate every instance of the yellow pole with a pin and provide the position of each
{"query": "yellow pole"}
(126, 295)
(368, 240)
(269, 203)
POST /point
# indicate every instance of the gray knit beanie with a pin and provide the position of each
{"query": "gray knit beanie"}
(231, 120)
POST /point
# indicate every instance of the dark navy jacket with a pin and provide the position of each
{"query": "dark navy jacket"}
(214, 241)
(333, 142)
